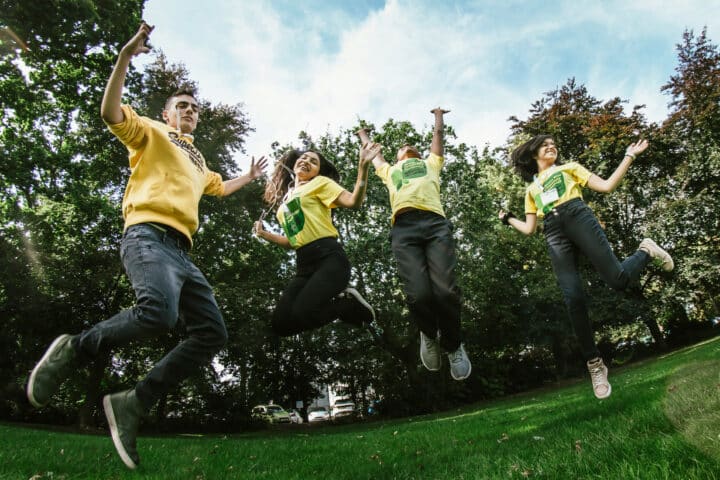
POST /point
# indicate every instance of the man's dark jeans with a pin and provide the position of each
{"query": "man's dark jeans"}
(424, 248)
(167, 283)
(571, 229)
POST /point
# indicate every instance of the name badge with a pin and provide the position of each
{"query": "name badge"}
(549, 197)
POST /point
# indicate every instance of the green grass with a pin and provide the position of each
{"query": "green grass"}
(662, 422)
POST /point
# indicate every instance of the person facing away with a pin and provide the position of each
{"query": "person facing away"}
(424, 249)
(305, 185)
(168, 175)
(554, 194)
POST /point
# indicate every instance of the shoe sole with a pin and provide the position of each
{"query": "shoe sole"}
(604, 396)
(362, 301)
(110, 416)
(428, 368)
(461, 378)
(31, 382)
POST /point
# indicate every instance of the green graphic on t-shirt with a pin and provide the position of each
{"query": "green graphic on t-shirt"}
(554, 181)
(410, 168)
(293, 218)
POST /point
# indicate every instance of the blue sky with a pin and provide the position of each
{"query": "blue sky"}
(319, 65)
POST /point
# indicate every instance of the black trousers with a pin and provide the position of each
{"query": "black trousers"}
(571, 229)
(424, 248)
(308, 302)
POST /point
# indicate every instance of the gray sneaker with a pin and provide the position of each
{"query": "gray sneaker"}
(51, 371)
(123, 411)
(430, 353)
(598, 375)
(658, 255)
(460, 366)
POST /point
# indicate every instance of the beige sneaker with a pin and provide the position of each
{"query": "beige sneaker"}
(659, 256)
(598, 375)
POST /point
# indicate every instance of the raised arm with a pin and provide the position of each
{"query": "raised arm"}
(526, 227)
(605, 186)
(378, 161)
(110, 110)
(368, 151)
(437, 141)
(256, 170)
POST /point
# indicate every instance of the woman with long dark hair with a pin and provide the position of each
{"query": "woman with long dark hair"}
(554, 194)
(304, 185)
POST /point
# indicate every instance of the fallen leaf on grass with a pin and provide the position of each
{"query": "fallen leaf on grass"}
(503, 438)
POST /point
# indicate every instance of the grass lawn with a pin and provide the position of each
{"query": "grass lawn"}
(661, 422)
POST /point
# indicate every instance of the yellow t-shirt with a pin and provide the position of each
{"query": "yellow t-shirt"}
(305, 214)
(413, 182)
(168, 174)
(555, 186)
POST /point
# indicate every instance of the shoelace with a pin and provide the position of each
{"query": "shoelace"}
(597, 373)
(456, 356)
(431, 346)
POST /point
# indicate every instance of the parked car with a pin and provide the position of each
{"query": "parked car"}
(295, 416)
(318, 414)
(271, 413)
(343, 410)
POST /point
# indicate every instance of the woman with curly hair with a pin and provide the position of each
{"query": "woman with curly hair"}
(305, 186)
(554, 194)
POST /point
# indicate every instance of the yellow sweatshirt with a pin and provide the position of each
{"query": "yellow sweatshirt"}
(168, 174)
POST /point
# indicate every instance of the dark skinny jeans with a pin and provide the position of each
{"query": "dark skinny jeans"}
(571, 229)
(308, 302)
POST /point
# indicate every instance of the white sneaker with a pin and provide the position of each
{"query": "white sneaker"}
(359, 313)
(598, 375)
(430, 353)
(659, 256)
(460, 366)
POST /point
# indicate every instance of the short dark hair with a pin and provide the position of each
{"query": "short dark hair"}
(184, 90)
(522, 158)
(281, 178)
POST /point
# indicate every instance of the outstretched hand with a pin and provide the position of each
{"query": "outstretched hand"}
(368, 151)
(257, 169)
(637, 148)
(137, 45)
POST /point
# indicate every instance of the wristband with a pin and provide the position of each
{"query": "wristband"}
(632, 157)
(506, 217)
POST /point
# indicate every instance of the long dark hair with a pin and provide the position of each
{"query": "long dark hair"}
(522, 158)
(283, 175)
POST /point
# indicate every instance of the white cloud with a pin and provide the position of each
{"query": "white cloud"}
(305, 68)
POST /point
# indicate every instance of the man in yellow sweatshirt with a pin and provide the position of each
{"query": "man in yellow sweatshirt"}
(168, 177)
